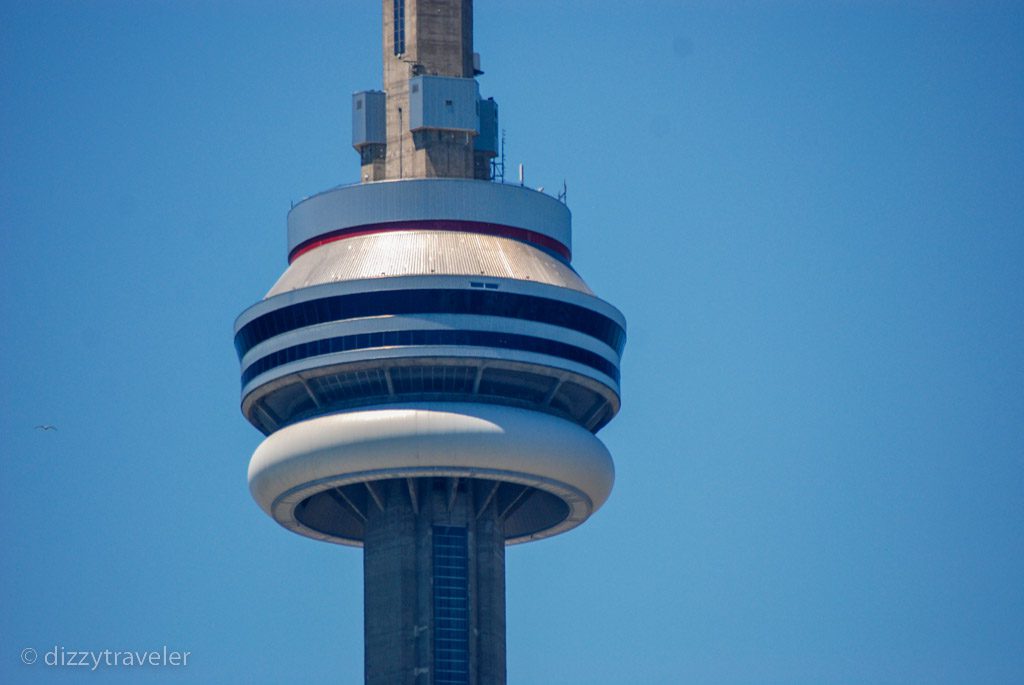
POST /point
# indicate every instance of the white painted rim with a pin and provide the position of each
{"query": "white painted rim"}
(431, 439)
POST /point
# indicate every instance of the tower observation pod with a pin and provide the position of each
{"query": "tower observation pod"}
(430, 371)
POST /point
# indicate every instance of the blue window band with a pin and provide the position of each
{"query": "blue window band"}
(451, 605)
(396, 302)
(398, 18)
(363, 341)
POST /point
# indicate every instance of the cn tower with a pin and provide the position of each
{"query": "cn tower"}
(430, 371)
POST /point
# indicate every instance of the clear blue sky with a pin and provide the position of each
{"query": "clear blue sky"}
(812, 215)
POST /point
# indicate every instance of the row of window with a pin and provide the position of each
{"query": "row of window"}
(451, 605)
(399, 26)
(341, 387)
(362, 341)
(395, 302)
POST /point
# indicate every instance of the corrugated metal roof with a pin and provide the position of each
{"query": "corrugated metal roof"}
(418, 253)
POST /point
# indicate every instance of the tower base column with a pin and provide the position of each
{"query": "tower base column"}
(434, 583)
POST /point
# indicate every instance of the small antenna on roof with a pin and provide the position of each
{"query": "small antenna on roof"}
(565, 191)
(521, 175)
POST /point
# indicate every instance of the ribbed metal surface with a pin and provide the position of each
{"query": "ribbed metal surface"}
(342, 386)
(416, 253)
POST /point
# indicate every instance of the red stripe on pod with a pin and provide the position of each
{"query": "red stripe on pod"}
(500, 230)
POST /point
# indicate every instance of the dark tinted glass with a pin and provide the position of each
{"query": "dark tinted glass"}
(451, 605)
(508, 341)
(511, 305)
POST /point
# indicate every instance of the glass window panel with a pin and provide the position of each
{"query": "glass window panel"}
(470, 338)
(341, 307)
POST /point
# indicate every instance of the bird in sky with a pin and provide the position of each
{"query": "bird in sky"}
(46, 427)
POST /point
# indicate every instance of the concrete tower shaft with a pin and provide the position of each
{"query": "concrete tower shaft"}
(432, 37)
(430, 112)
